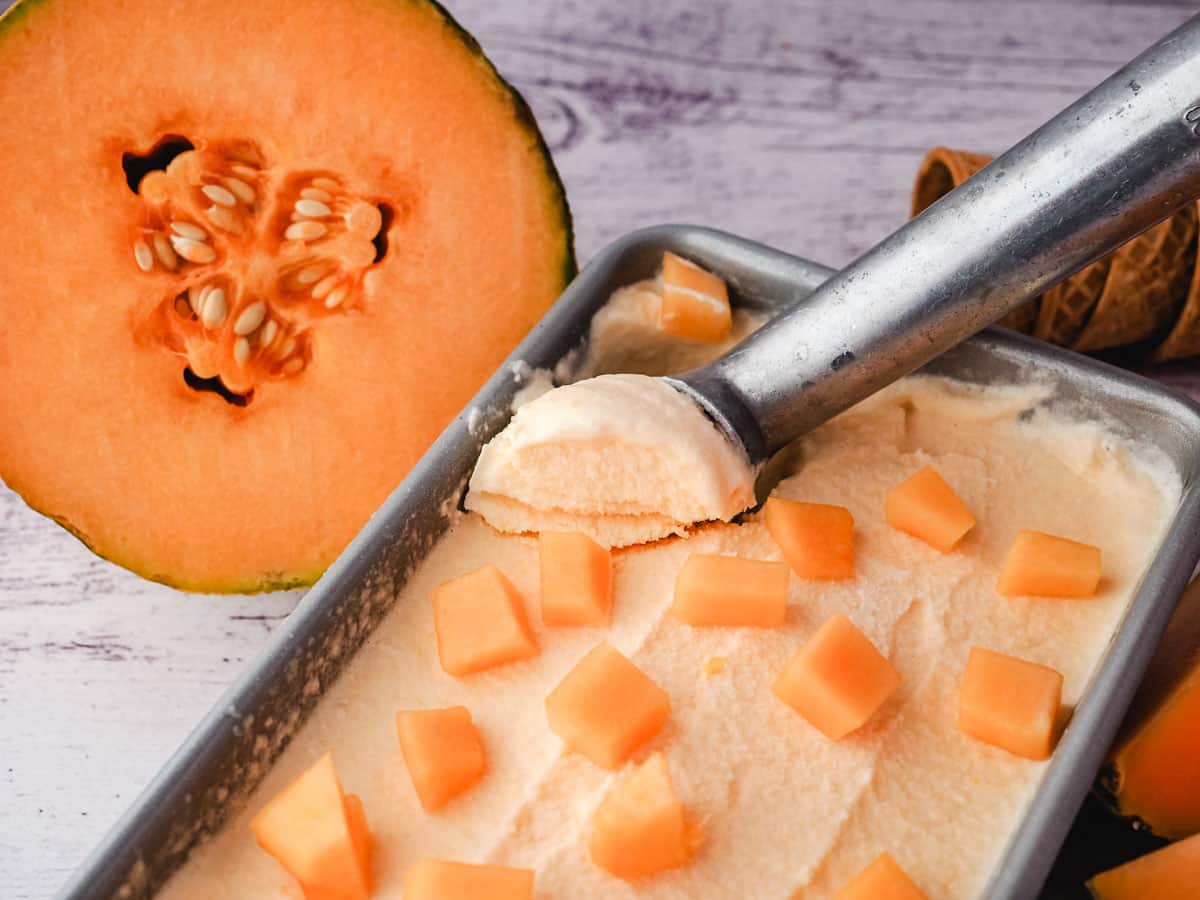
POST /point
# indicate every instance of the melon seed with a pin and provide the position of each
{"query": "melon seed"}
(305, 231)
(189, 231)
(240, 189)
(269, 330)
(251, 317)
(324, 286)
(193, 251)
(312, 208)
(214, 308)
(142, 255)
(166, 256)
(219, 195)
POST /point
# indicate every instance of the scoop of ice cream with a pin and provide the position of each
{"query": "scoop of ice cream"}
(623, 458)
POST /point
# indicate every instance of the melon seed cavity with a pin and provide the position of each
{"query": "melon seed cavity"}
(252, 260)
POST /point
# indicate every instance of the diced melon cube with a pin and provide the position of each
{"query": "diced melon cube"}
(576, 579)
(480, 622)
(360, 833)
(838, 679)
(924, 506)
(695, 303)
(816, 539)
(1169, 873)
(435, 879)
(443, 753)
(606, 707)
(881, 880)
(726, 590)
(1042, 565)
(640, 828)
(1010, 703)
(318, 834)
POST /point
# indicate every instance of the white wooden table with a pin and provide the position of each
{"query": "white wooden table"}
(795, 122)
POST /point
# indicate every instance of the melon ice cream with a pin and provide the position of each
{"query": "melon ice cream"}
(624, 459)
(739, 753)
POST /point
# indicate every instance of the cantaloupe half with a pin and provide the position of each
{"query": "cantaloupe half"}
(214, 379)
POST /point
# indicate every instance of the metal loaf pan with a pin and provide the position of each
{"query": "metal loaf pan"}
(225, 756)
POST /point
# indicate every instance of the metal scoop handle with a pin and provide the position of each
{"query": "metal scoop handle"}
(1118, 160)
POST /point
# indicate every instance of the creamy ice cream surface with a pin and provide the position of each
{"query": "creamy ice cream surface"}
(623, 458)
(625, 336)
(786, 811)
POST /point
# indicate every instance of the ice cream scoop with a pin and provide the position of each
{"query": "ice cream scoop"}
(623, 458)
(1124, 156)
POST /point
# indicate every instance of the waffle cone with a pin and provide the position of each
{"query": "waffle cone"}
(1068, 305)
(1184, 338)
(941, 171)
(1147, 285)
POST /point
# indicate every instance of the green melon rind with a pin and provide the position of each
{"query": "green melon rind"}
(20, 11)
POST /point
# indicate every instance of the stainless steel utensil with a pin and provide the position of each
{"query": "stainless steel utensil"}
(1112, 164)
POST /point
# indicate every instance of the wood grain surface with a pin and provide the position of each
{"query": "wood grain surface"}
(796, 122)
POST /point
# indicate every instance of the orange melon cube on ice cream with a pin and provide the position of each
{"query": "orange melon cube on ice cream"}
(1042, 565)
(319, 835)
(606, 707)
(881, 880)
(726, 590)
(640, 828)
(695, 303)
(442, 751)
(435, 879)
(816, 539)
(576, 575)
(480, 622)
(924, 506)
(1010, 703)
(838, 679)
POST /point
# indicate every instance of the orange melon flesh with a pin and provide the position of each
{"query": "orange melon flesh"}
(695, 303)
(640, 828)
(1156, 760)
(726, 590)
(98, 428)
(480, 623)
(442, 751)
(838, 679)
(924, 506)
(576, 576)
(319, 835)
(1158, 769)
(432, 879)
(606, 707)
(360, 832)
(881, 880)
(1042, 565)
(1010, 703)
(816, 539)
(1172, 873)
